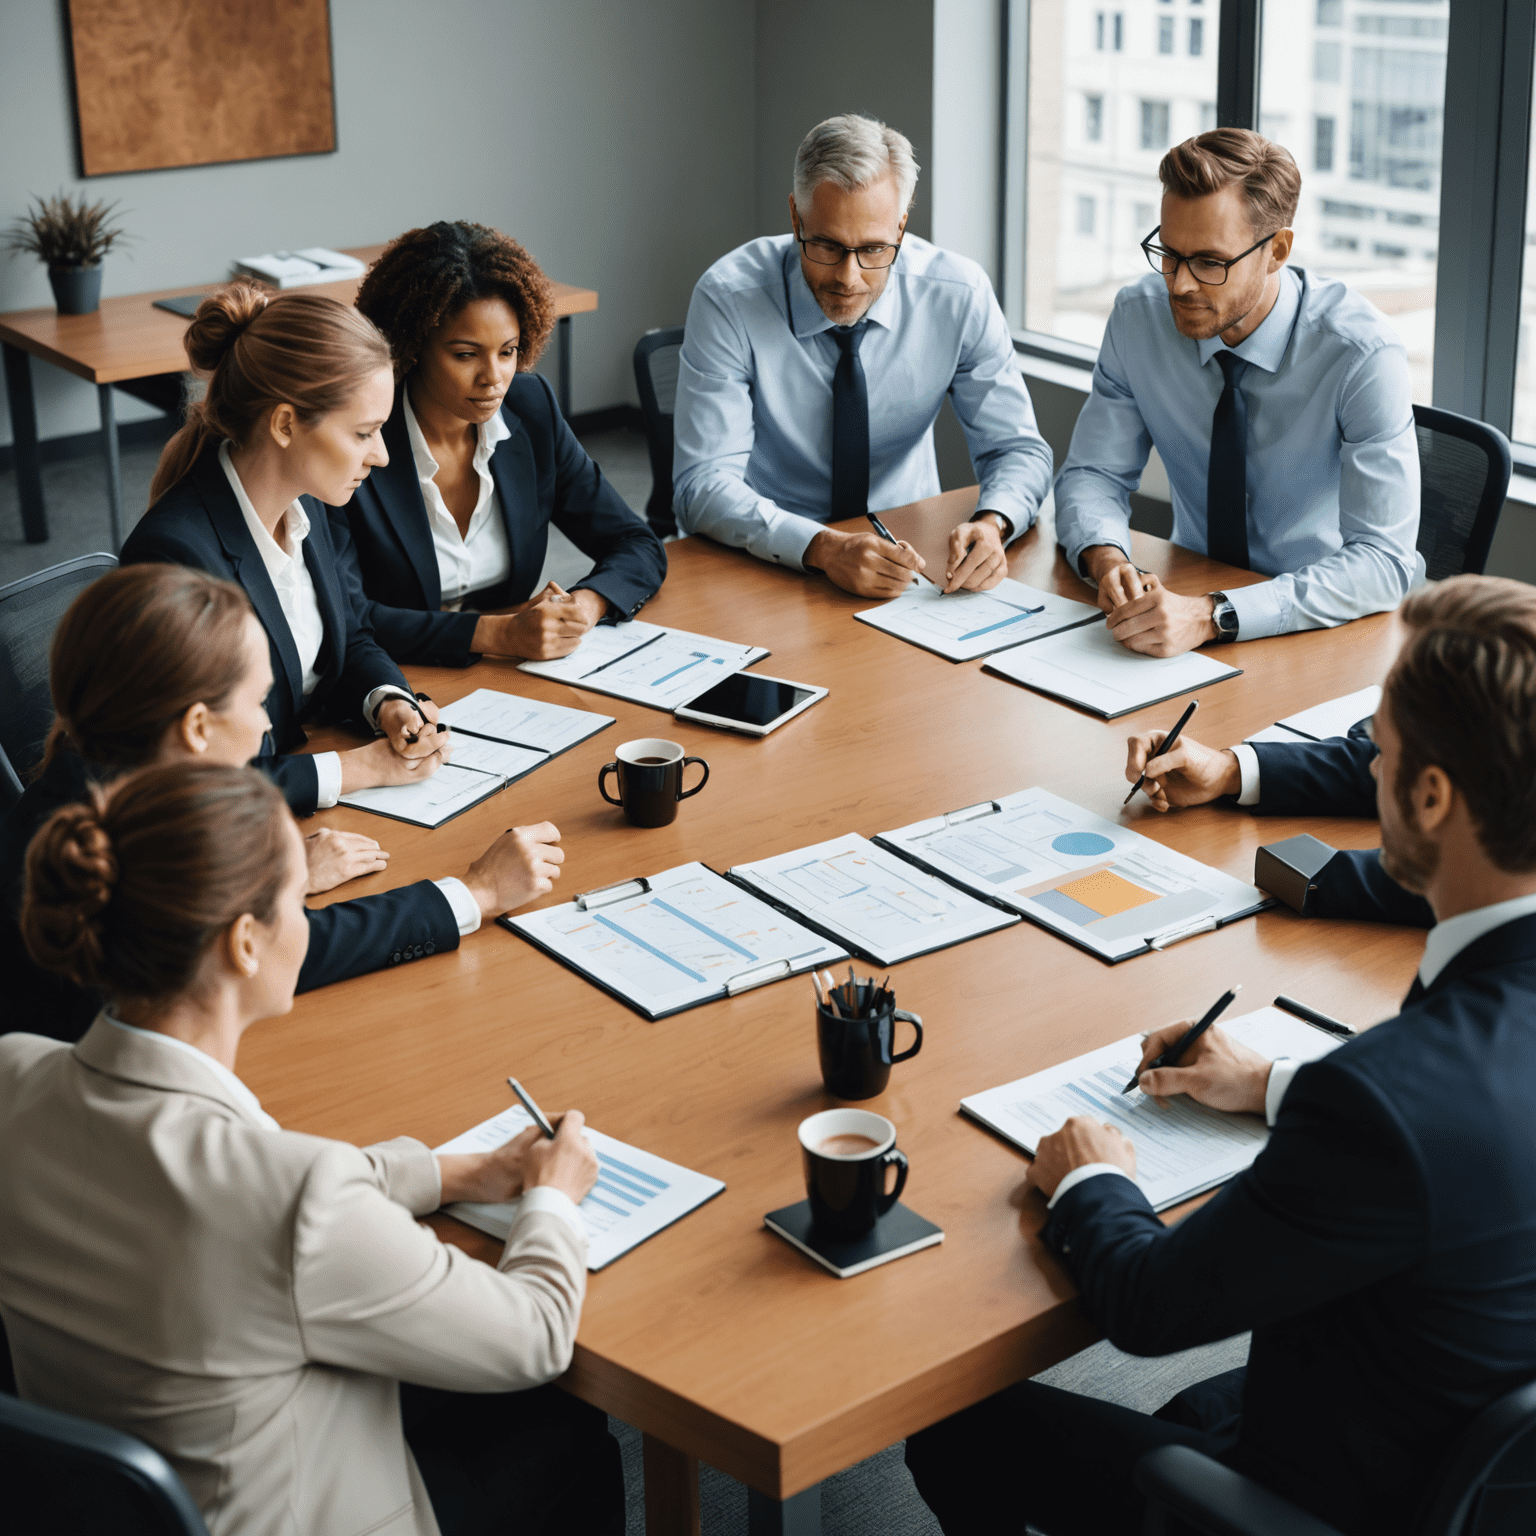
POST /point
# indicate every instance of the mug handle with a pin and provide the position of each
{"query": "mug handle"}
(916, 1022)
(602, 783)
(683, 794)
(897, 1159)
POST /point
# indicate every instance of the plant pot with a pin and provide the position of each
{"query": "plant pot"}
(76, 290)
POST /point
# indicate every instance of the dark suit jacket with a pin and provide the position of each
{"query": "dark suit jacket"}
(198, 522)
(1334, 778)
(542, 476)
(1382, 1248)
(347, 938)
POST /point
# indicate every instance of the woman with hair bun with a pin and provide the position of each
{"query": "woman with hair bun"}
(298, 388)
(162, 664)
(249, 1300)
(481, 462)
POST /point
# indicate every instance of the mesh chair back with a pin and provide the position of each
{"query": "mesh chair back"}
(1464, 466)
(60, 1473)
(1487, 1484)
(30, 610)
(656, 360)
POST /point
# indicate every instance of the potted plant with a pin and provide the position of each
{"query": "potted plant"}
(70, 236)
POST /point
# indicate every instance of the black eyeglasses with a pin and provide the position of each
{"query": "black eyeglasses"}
(1210, 270)
(828, 253)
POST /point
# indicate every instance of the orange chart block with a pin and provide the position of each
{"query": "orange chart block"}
(1106, 893)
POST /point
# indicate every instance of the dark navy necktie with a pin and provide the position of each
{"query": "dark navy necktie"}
(1226, 494)
(850, 427)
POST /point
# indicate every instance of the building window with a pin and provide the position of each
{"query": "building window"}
(1119, 31)
(1322, 144)
(1207, 116)
(1196, 36)
(1327, 62)
(1154, 125)
(1165, 34)
(1093, 119)
(1330, 13)
(1087, 207)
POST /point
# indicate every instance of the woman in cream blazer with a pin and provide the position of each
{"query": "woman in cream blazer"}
(248, 1299)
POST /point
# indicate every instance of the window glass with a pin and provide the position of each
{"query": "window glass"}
(1106, 97)
(1523, 429)
(1356, 91)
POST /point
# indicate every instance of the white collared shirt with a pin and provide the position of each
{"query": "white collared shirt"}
(466, 562)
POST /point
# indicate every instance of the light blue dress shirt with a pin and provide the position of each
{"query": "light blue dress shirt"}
(753, 422)
(1333, 464)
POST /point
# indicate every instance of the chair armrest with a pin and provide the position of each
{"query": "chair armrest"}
(1216, 1500)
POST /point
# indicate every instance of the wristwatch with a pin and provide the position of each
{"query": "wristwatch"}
(1004, 524)
(1223, 616)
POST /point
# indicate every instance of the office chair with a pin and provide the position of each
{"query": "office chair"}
(30, 610)
(1486, 1486)
(63, 1474)
(1464, 466)
(656, 356)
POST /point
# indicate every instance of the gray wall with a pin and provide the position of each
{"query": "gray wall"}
(615, 140)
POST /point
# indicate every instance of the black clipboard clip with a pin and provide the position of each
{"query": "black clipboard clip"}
(959, 818)
(606, 895)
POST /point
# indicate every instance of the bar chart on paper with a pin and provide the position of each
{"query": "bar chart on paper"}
(636, 1195)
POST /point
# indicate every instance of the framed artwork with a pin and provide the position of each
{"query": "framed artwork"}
(161, 83)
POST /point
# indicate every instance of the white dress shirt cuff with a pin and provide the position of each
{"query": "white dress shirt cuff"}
(327, 780)
(466, 910)
(381, 696)
(1259, 611)
(1081, 1175)
(1280, 1075)
(544, 1197)
(1248, 766)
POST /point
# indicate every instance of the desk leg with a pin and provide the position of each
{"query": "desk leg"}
(29, 468)
(114, 465)
(563, 361)
(797, 1516)
(671, 1489)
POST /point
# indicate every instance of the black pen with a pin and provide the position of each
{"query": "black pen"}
(1167, 746)
(1170, 1057)
(880, 528)
(533, 1109)
(1312, 1016)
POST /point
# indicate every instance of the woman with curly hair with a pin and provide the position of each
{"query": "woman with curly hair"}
(481, 462)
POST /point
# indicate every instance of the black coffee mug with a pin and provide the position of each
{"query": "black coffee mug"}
(650, 774)
(857, 1054)
(846, 1153)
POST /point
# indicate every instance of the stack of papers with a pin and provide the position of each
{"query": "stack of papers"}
(1182, 1147)
(298, 269)
(1323, 721)
(647, 663)
(965, 625)
(635, 1197)
(1088, 666)
(1093, 882)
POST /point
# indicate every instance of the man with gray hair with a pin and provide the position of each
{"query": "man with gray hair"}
(814, 365)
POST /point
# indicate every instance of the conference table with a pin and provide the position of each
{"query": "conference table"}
(129, 344)
(716, 1339)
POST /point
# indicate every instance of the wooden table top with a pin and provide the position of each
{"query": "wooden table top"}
(716, 1337)
(128, 338)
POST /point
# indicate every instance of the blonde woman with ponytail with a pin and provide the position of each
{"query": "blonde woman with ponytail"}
(262, 1306)
(299, 387)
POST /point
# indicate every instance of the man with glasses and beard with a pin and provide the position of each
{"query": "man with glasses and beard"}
(814, 365)
(1279, 402)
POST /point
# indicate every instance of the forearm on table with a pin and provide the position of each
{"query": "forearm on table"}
(727, 510)
(1359, 579)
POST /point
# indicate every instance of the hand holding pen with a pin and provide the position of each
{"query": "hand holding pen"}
(1212, 1068)
(1166, 745)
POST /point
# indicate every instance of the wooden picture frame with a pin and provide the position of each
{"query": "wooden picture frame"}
(162, 83)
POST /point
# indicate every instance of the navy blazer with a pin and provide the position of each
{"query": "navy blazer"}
(542, 476)
(198, 522)
(1382, 1248)
(1334, 778)
(347, 938)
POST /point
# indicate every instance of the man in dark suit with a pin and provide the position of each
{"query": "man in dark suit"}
(1382, 1247)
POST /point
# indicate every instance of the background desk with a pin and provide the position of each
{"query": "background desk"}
(126, 342)
(717, 1339)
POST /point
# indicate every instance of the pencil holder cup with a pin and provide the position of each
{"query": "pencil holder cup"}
(857, 1054)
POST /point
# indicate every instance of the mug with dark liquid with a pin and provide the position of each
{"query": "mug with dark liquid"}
(650, 775)
(846, 1153)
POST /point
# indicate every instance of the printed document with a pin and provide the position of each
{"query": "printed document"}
(965, 625)
(1323, 721)
(1088, 666)
(1097, 884)
(547, 728)
(880, 904)
(1182, 1147)
(674, 940)
(635, 1197)
(647, 663)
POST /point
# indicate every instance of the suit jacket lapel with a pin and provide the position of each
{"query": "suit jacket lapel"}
(516, 479)
(250, 570)
(1507, 944)
(398, 489)
(320, 560)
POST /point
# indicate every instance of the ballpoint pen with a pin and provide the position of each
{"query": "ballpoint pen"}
(1170, 1057)
(539, 1117)
(1312, 1016)
(1167, 746)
